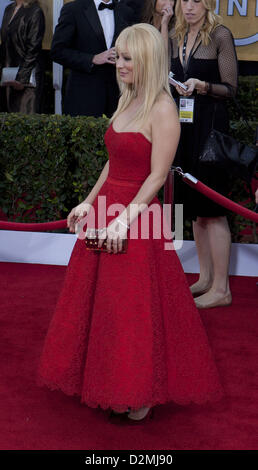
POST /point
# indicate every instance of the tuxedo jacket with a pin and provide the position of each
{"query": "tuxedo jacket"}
(91, 89)
(138, 7)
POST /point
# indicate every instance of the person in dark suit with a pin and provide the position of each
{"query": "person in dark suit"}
(138, 7)
(83, 42)
(22, 32)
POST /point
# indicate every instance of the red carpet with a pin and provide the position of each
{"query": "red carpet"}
(33, 418)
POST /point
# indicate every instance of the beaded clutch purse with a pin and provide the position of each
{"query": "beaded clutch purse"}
(92, 238)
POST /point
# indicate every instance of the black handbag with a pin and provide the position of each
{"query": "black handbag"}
(225, 152)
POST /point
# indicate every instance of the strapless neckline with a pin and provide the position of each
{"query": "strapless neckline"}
(131, 132)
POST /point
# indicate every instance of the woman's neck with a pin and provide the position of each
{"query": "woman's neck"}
(138, 99)
(19, 3)
(194, 29)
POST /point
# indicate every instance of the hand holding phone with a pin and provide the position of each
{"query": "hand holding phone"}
(176, 82)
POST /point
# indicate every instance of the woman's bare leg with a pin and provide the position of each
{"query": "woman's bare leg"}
(202, 242)
(219, 242)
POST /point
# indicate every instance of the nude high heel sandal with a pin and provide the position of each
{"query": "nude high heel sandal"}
(147, 415)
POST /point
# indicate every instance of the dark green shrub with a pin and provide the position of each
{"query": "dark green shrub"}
(247, 97)
(48, 164)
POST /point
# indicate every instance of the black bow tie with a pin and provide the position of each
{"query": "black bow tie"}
(103, 5)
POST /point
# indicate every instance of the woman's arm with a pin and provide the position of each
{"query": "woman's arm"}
(98, 185)
(228, 65)
(168, 12)
(164, 30)
(35, 34)
(80, 211)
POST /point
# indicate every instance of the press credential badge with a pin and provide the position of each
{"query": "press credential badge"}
(186, 110)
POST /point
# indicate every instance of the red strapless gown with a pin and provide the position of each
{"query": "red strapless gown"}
(125, 331)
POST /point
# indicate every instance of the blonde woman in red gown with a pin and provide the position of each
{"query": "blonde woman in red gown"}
(126, 334)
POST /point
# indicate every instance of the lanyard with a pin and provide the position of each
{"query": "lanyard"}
(186, 64)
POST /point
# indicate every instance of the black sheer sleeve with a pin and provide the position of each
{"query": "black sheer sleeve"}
(227, 62)
(222, 77)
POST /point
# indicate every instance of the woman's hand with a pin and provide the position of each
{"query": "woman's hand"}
(192, 84)
(180, 90)
(167, 14)
(77, 214)
(115, 234)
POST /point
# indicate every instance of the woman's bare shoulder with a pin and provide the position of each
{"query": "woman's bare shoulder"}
(164, 108)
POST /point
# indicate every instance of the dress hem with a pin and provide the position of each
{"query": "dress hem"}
(134, 406)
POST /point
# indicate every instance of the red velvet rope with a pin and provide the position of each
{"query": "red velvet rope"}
(37, 227)
(198, 185)
(222, 200)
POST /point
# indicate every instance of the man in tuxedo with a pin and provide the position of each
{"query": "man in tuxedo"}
(137, 7)
(84, 42)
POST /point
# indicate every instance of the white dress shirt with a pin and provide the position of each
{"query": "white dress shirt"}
(107, 20)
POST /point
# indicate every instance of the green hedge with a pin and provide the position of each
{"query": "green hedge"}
(49, 163)
(247, 97)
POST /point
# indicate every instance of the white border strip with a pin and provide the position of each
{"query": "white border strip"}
(57, 68)
(56, 249)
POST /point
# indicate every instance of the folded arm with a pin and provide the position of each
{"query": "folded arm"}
(35, 33)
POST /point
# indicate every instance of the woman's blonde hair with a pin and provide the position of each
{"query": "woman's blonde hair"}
(211, 22)
(146, 48)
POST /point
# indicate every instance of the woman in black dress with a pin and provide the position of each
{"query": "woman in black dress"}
(204, 59)
(22, 33)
